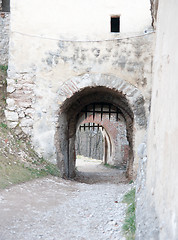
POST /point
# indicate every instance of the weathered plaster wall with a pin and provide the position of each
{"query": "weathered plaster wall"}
(41, 62)
(4, 37)
(36, 86)
(82, 19)
(160, 209)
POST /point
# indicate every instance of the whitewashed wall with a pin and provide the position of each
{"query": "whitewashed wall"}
(41, 61)
(159, 208)
(71, 19)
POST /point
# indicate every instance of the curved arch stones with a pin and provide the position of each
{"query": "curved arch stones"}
(131, 93)
(77, 84)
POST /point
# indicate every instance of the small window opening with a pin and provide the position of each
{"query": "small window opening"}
(115, 24)
(5, 5)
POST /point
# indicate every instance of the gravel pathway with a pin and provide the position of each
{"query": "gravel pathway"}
(56, 209)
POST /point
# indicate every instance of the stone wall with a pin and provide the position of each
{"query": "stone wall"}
(147, 223)
(157, 209)
(4, 37)
(34, 86)
(44, 63)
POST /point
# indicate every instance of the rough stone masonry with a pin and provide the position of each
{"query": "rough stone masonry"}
(4, 36)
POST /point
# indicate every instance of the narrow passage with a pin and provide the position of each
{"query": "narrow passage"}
(88, 208)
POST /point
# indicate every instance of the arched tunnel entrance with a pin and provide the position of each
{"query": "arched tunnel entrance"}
(78, 108)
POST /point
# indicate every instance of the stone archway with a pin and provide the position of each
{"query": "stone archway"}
(83, 90)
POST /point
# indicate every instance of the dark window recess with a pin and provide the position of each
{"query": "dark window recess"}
(5, 5)
(115, 24)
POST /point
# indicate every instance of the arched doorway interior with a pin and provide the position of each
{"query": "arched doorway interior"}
(72, 114)
(110, 121)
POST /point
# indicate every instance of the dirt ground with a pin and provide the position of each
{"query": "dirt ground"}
(88, 208)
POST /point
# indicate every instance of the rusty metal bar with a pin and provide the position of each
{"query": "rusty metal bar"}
(97, 111)
(117, 115)
(93, 111)
(95, 126)
(101, 112)
(109, 111)
(86, 112)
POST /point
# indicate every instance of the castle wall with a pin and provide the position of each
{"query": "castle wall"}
(4, 36)
(61, 43)
(157, 206)
(82, 20)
